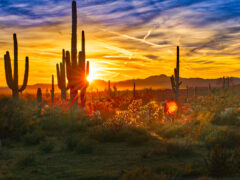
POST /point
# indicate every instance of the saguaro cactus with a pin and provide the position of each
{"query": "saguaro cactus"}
(61, 76)
(12, 80)
(77, 70)
(175, 78)
(39, 95)
(52, 90)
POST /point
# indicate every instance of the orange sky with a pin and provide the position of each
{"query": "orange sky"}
(119, 52)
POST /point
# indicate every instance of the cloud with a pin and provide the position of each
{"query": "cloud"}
(122, 34)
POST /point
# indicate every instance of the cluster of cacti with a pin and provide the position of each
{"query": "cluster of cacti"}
(12, 79)
(61, 76)
(39, 95)
(52, 90)
(77, 69)
(175, 79)
(226, 82)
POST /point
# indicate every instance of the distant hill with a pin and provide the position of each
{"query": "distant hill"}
(155, 82)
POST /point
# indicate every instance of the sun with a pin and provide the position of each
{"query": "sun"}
(92, 76)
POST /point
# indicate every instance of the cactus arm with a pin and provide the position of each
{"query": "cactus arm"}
(25, 80)
(8, 70)
(87, 71)
(58, 77)
(68, 64)
(15, 62)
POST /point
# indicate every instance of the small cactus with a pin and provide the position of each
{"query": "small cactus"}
(175, 78)
(109, 89)
(39, 95)
(12, 80)
(195, 92)
(52, 90)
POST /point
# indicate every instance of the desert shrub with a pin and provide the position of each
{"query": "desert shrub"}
(33, 138)
(46, 147)
(224, 138)
(171, 130)
(220, 162)
(140, 174)
(55, 120)
(178, 147)
(229, 116)
(15, 117)
(26, 160)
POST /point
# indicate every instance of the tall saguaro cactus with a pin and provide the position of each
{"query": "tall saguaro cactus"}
(61, 76)
(12, 79)
(77, 70)
(175, 78)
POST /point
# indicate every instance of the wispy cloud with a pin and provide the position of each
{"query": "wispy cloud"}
(124, 37)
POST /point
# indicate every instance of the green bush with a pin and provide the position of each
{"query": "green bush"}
(15, 117)
(224, 138)
(220, 162)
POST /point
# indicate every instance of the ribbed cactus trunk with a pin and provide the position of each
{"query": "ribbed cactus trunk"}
(52, 90)
(175, 79)
(12, 80)
(73, 90)
(61, 76)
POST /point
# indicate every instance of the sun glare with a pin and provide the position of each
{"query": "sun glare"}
(92, 75)
(171, 107)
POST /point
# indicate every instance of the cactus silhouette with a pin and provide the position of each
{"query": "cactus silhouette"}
(52, 90)
(134, 89)
(195, 92)
(39, 95)
(77, 70)
(175, 78)
(61, 76)
(12, 79)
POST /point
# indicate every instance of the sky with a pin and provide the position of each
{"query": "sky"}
(125, 38)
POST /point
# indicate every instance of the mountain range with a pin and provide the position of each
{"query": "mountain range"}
(155, 82)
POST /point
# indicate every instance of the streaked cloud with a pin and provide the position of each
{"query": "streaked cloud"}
(126, 39)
